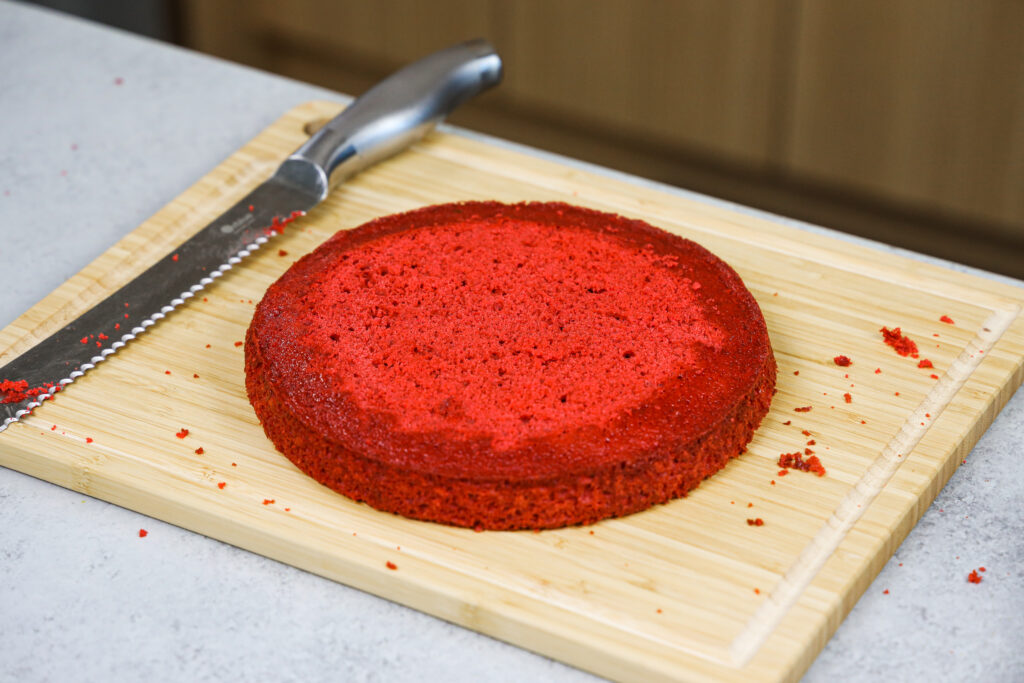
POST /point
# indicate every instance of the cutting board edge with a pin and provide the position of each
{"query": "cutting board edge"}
(913, 513)
(498, 619)
(771, 615)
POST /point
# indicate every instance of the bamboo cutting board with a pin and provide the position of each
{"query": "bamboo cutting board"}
(687, 590)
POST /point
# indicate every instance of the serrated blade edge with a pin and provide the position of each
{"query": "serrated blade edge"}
(214, 250)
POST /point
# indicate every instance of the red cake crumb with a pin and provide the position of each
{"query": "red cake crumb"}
(278, 224)
(842, 361)
(509, 367)
(905, 346)
(974, 576)
(755, 522)
(88, 439)
(221, 484)
(925, 363)
(268, 501)
(946, 319)
(796, 461)
(182, 434)
(200, 451)
(848, 398)
(803, 409)
(143, 533)
(16, 391)
(391, 565)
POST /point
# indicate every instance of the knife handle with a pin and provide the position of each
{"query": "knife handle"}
(395, 113)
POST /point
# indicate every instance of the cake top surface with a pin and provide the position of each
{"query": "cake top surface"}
(504, 327)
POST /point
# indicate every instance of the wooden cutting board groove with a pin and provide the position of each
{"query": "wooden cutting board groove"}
(684, 591)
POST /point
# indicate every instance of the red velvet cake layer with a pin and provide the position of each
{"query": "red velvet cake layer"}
(509, 366)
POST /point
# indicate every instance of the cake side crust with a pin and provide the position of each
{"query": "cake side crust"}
(581, 498)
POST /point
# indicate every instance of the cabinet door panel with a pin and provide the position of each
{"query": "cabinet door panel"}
(699, 74)
(382, 31)
(918, 101)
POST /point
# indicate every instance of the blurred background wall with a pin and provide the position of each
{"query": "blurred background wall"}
(898, 120)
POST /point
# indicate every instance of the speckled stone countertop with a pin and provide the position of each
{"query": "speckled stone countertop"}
(100, 129)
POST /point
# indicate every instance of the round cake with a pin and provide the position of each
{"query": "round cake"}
(502, 366)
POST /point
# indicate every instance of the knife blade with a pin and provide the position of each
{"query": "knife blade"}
(389, 117)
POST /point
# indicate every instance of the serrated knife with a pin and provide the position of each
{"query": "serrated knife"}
(387, 118)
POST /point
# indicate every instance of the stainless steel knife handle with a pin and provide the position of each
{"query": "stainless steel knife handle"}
(395, 113)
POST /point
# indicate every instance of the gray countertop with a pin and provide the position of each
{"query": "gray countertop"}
(100, 129)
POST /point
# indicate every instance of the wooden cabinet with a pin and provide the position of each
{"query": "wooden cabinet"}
(681, 75)
(920, 102)
(901, 120)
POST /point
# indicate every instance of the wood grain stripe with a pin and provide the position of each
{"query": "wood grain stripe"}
(802, 572)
